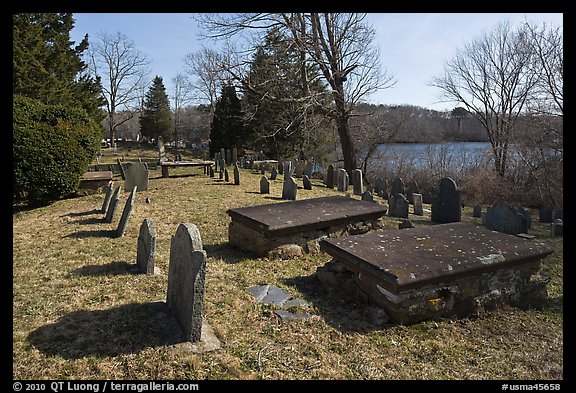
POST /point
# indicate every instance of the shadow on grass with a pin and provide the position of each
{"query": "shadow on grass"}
(86, 213)
(116, 268)
(338, 310)
(226, 252)
(127, 329)
(90, 221)
(111, 233)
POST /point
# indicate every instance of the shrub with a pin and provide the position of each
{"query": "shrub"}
(52, 148)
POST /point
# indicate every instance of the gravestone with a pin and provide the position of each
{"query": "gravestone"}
(161, 150)
(357, 182)
(300, 166)
(236, 173)
(177, 157)
(477, 211)
(557, 228)
(281, 168)
(228, 157)
(107, 197)
(447, 203)
(418, 209)
(412, 188)
(234, 155)
(264, 185)
(405, 224)
(113, 205)
(136, 176)
(243, 162)
(186, 275)
(397, 186)
(273, 173)
(398, 205)
(226, 176)
(290, 188)
(308, 169)
(288, 170)
(506, 218)
(524, 212)
(122, 173)
(545, 214)
(221, 174)
(343, 180)
(262, 169)
(306, 183)
(384, 193)
(222, 157)
(211, 171)
(146, 251)
(330, 176)
(126, 213)
(559, 213)
(367, 196)
(378, 186)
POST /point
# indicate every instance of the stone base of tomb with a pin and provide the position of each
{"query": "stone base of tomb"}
(519, 285)
(293, 245)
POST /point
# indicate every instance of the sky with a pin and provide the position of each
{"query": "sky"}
(413, 46)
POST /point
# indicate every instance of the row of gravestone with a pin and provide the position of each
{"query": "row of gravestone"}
(110, 204)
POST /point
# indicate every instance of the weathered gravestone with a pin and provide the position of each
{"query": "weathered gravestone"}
(126, 213)
(107, 197)
(221, 174)
(330, 176)
(418, 208)
(226, 176)
(300, 166)
(264, 185)
(236, 173)
(306, 183)
(545, 214)
(477, 211)
(287, 170)
(358, 187)
(161, 150)
(186, 275)
(289, 189)
(113, 205)
(412, 188)
(557, 228)
(234, 155)
(398, 205)
(343, 180)
(136, 176)
(446, 203)
(506, 218)
(211, 171)
(122, 173)
(379, 186)
(273, 173)
(397, 186)
(367, 196)
(146, 252)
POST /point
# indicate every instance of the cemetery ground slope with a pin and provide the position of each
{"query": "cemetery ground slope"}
(79, 313)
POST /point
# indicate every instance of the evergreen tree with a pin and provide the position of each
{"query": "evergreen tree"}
(47, 67)
(227, 129)
(156, 118)
(280, 128)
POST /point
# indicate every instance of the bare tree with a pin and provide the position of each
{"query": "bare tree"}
(340, 45)
(181, 97)
(123, 70)
(491, 76)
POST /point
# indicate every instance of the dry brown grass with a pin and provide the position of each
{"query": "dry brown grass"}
(79, 314)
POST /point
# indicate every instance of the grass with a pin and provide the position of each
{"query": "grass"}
(80, 314)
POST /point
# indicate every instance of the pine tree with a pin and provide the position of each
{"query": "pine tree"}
(227, 129)
(156, 117)
(46, 66)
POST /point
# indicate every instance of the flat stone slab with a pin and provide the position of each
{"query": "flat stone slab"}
(280, 219)
(97, 175)
(208, 341)
(410, 258)
(271, 294)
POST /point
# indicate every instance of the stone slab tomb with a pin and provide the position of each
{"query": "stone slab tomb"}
(455, 269)
(94, 182)
(288, 229)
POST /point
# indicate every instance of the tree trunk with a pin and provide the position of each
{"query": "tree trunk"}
(347, 145)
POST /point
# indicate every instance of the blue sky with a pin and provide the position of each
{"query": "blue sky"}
(413, 46)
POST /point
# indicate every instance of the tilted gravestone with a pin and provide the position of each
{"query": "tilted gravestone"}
(122, 173)
(236, 173)
(137, 175)
(545, 214)
(330, 176)
(290, 189)
(107, 197)
(412, 188)
(477, 211)
(357, 182)
(146, 252)
(186, 275)
(306, 183)
(273, 173)
(397, 186)
(126, 213)
(418, 209)
(264, 185)
(113, 205)
(506, 218)
(343, 180)
(398, 205)
(447, 202)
